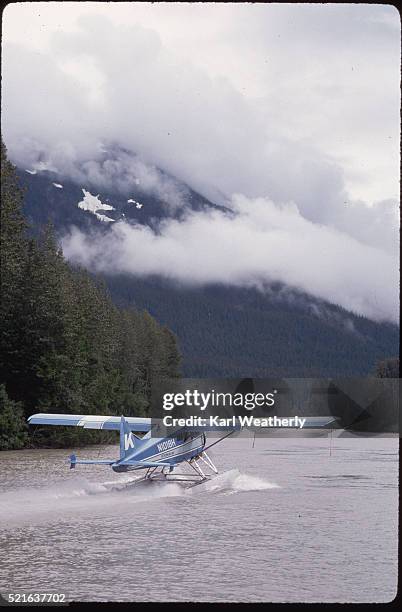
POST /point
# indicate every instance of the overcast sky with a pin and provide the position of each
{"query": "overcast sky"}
(293, 105)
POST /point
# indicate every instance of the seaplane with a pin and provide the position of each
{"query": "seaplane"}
(156, 457)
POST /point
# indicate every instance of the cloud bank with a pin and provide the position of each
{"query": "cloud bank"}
(294, 114)
(259, 242)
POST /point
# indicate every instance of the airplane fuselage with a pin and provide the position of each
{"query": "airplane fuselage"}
(167, 450)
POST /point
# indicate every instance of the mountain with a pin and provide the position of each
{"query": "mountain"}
(223, 331)
(50, 196)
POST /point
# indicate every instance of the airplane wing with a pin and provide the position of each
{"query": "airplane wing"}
(319, 421)
(89, 421)
(312, 422)
(144, 424)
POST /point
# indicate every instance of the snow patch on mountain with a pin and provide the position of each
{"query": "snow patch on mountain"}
(137, 204)
(104, 218)
(93, 204)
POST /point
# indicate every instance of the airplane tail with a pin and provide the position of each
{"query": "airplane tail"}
(128, 440)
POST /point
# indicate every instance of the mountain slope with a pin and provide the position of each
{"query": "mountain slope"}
(234, 332)
(223, 331)
(49, 196)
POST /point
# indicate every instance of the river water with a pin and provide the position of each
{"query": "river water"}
(285, 521)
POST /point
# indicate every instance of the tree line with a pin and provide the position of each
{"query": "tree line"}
(65, 347)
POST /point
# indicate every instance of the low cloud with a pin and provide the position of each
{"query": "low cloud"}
(258, 243)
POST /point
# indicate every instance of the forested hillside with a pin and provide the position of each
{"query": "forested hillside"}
(234, 332)
(64, 345)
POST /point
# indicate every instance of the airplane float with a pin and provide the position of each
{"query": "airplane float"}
(157, 456)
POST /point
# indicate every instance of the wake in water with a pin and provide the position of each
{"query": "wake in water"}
(235, 481)
(79, 496)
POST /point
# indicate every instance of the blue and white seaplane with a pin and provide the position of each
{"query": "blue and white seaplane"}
(158, 456)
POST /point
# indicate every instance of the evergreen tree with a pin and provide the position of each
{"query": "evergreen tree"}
(13, 430)
(65, 346)
(13, 255)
